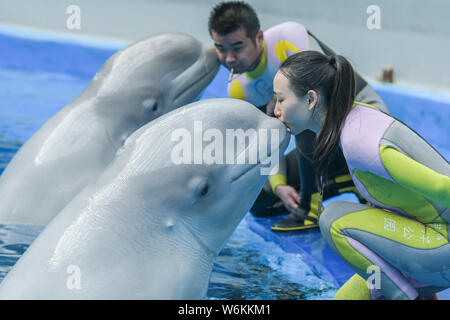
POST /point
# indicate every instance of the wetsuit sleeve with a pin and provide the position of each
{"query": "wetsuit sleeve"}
(279, 178)
(415, 176)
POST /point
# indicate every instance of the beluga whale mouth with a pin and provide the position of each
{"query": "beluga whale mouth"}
(267, 160)
(244, 171)
(199, 74)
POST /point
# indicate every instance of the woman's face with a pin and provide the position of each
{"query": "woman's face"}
(294, 112)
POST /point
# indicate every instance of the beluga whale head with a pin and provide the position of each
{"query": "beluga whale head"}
(151, 226)
(155, 75)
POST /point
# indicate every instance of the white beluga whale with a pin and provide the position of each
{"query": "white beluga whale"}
(136, 85)
(150, 226)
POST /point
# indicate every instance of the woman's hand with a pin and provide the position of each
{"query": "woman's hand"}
(289, 196)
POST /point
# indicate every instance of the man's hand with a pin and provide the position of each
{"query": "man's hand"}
(289, 196)
(270, 108)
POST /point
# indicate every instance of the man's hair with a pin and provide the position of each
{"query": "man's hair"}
(227, 17)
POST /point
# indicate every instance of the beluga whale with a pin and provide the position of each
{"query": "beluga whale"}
(137, 84)
(153, 222)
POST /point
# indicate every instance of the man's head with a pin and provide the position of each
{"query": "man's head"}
(235, 29)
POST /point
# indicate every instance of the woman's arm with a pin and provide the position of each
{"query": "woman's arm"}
(415, 176)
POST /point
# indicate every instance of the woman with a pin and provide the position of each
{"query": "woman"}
(403, 234)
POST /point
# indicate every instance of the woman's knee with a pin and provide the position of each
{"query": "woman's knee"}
(336, 210)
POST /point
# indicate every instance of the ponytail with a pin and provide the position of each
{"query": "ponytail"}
(339, 105)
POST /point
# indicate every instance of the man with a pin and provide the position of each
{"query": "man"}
(253, 57)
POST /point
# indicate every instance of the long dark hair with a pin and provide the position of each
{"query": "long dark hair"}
(333, 79)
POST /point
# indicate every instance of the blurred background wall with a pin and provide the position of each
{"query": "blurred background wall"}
(411, 36)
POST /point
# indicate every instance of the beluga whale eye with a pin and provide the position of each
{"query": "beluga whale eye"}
(150, 104)
(200, 186)
(204, 190)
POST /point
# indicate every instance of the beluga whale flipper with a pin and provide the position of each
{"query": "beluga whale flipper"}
(136, 85)
(152, 224)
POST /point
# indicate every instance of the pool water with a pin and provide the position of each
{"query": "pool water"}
(27, 100)
(14, 240)
(250, 267)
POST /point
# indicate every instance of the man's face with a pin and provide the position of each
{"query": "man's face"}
(236, 51)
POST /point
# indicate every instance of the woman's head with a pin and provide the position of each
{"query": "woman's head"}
(295, 109)
(315, 92)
